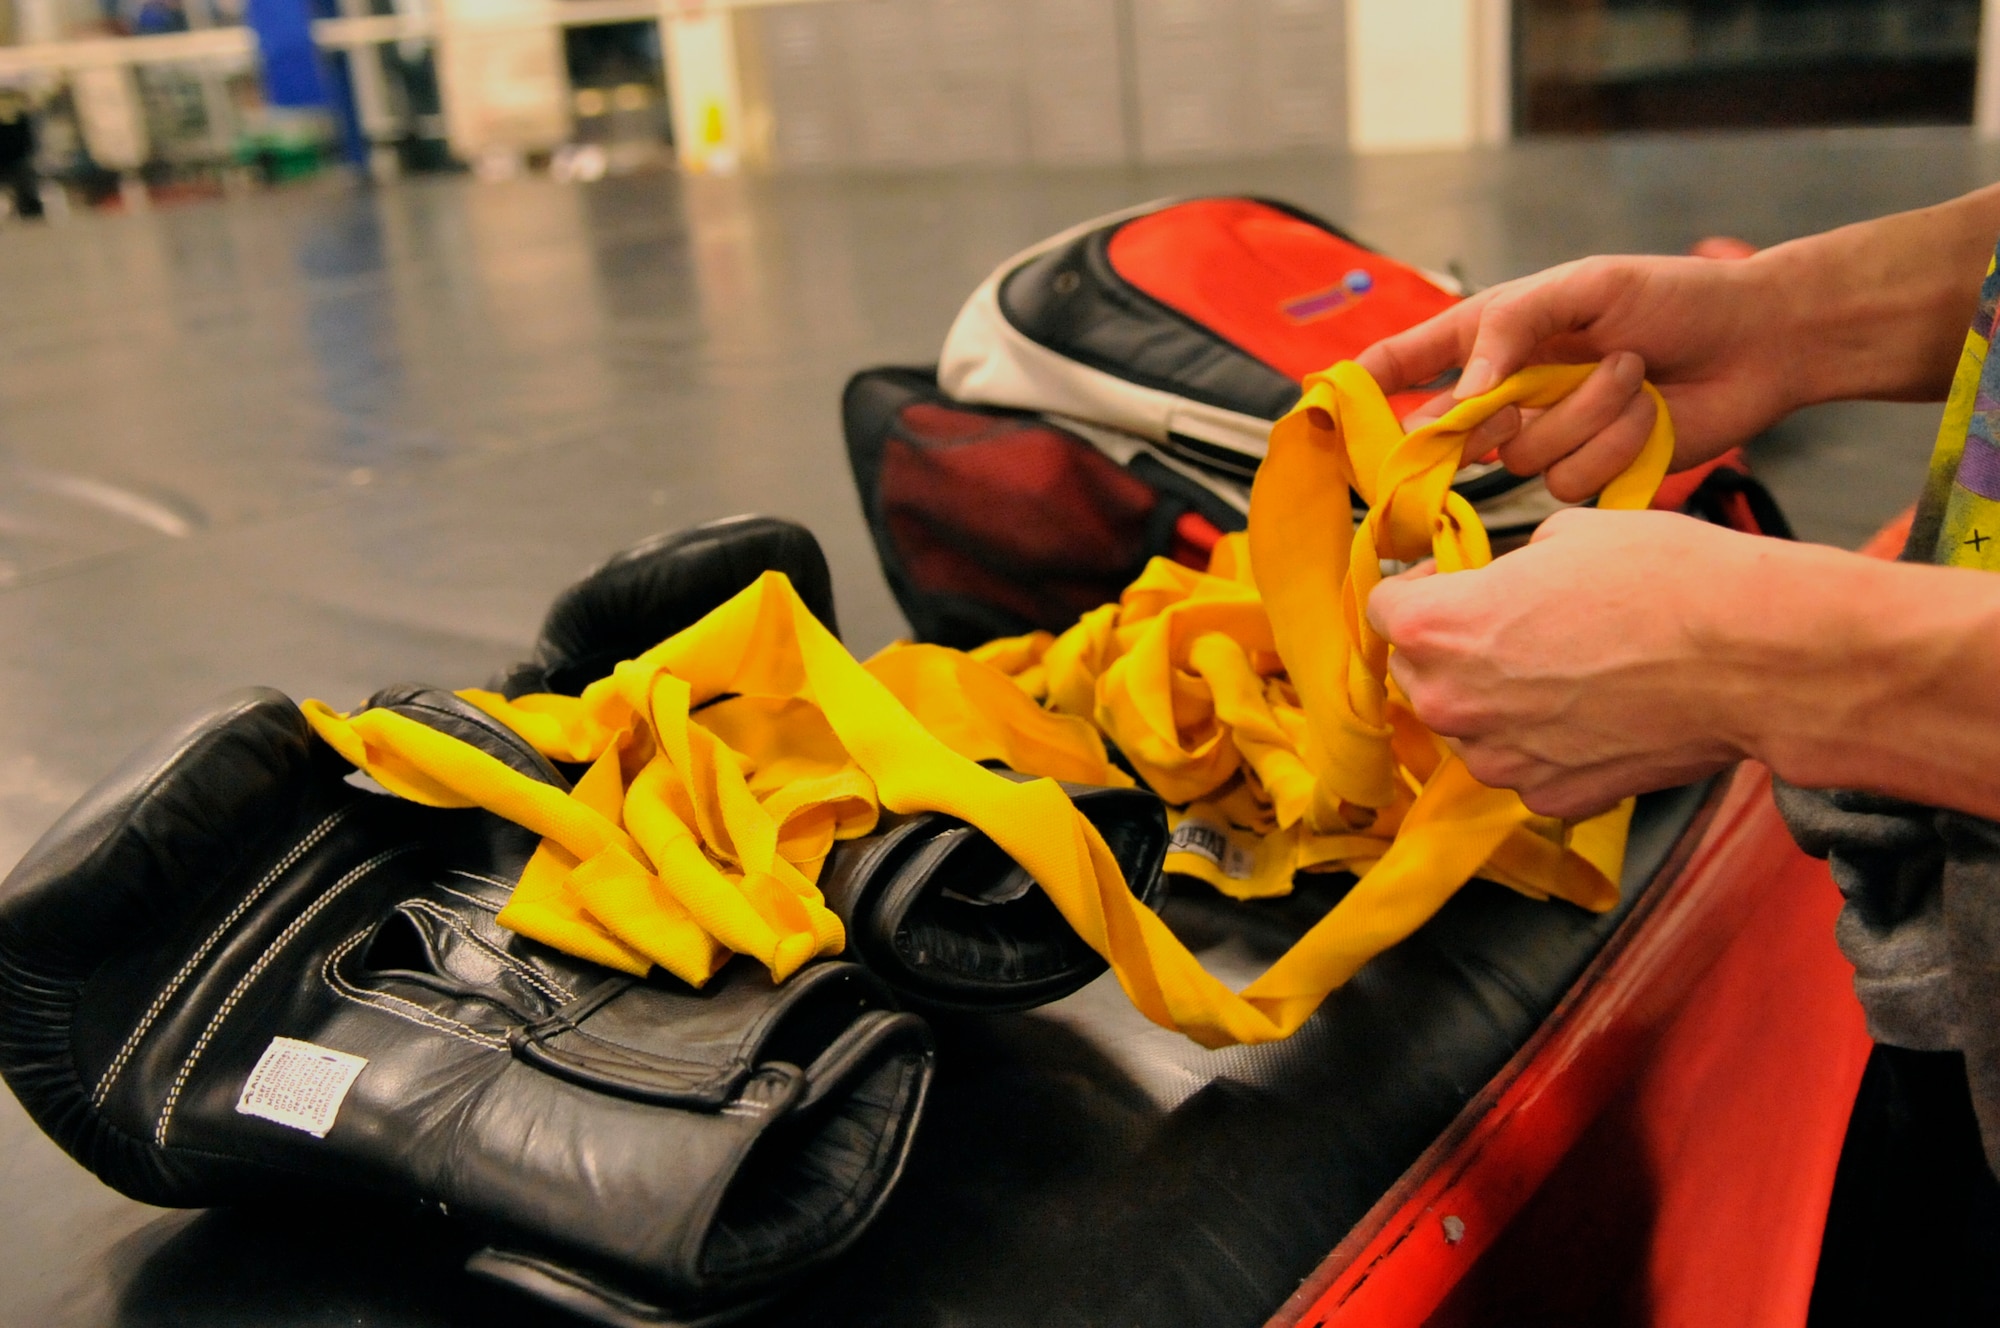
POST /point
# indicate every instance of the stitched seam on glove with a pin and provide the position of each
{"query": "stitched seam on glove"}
(397, 1006)
(493, 881)
(167, 993)
(488, 906)
(534, 977)
(256, 970)
(642, 1059)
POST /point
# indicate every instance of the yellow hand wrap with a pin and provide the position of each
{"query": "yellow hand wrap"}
(701, 824)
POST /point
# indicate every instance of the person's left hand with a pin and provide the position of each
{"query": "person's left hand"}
(1581, 669)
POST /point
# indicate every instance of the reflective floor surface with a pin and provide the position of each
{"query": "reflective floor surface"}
(332, 438)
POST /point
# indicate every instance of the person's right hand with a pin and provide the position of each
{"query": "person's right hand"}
(1707, 332)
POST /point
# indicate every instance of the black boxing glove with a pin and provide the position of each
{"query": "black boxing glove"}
(638, 598)
(932, 906)
(939, 912)
(229, 973)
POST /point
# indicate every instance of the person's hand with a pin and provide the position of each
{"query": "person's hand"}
(1706, 331)
(1626, 651)
(1576, 670)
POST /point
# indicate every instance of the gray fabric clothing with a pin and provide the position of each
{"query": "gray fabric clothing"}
(1887, 858)
(1922, 921)
(1921, 925)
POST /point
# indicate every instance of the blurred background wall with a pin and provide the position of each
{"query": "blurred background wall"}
(135, 100)
(930, 82)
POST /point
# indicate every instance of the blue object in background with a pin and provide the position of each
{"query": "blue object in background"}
(157, 16)
(292, 76)
(296, 76)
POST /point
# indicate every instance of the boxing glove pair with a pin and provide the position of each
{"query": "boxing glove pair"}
(230, 974)
(233, 970)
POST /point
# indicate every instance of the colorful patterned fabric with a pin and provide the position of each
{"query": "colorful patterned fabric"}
(1958, 518)
(1908, 937)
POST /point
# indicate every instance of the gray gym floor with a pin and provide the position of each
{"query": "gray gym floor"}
(333, 438)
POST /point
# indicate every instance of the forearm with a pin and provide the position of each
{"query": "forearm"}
(1879, 310)
(1843, 672)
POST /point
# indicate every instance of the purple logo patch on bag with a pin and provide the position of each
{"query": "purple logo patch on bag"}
(1330, 301)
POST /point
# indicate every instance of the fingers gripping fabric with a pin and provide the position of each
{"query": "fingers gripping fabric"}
(725, 762)
(1343, 437)
(1188, 675)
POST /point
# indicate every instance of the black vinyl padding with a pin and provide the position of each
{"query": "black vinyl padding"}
(128, 863)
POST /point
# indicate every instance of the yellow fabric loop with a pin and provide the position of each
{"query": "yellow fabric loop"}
(724, 763)
(1341, 437)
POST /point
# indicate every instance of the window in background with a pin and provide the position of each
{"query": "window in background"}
(1599, 65)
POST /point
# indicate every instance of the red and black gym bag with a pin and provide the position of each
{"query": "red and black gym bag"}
(1105, 397)
(993, 522)
(1189, 323)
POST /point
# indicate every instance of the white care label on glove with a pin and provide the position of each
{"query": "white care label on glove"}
(300, 1085)
(1212, 842)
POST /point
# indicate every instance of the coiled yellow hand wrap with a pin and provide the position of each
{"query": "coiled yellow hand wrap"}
(725, 762)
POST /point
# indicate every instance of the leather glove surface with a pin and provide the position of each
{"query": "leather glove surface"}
(231, 973)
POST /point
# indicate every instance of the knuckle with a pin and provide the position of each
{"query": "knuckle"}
(1599, 271)
(1447, 709)
(1426, 704)
(1638, 419)
(1603, 400)
(1494, 768)
(1517, 455)
(1543, 440)
(1507, 310)
(1556, 799)
(1401, 612)
(1567, 484)
(1633, 422)
(1504, 426)
(1544, 802)
(1385, 613)
(1416, 628)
